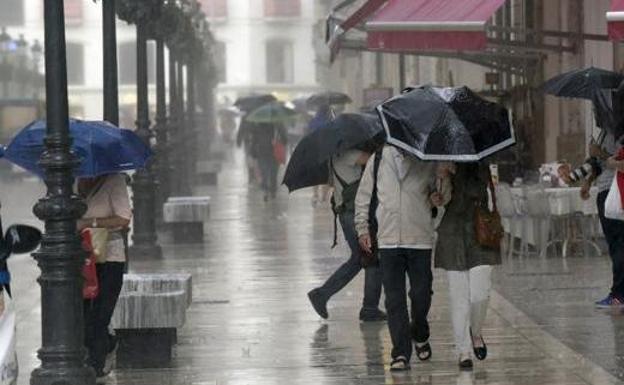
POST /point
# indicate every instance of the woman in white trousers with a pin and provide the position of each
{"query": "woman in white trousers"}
(469, 265)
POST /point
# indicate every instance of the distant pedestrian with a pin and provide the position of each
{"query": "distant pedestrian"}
(244, 139)
(108, 207)
(405, 238)
(469, 265)
(264, 138)
(346, 173)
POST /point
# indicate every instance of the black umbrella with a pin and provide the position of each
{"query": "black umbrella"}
(593, 84)
(308, 165)
(328, 98)
(583, 83)
(250, 103)
(447, 124)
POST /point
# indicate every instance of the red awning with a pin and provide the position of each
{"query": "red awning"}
(362, 14)
(359, 16)
(405, 25)
(615, 20)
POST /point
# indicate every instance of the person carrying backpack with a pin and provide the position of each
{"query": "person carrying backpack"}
(346, 172)
(402, 186)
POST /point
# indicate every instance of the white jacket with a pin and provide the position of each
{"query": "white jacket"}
(404, 185)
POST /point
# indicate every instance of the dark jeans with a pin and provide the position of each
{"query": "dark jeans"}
(268, 169)
(614, 235)
(395, 265)
(348, 270)
(99, 311)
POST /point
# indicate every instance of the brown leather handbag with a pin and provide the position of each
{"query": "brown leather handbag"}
(488, 227)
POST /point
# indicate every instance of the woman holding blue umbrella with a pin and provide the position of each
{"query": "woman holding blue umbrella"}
(108, 209)
(104, 152)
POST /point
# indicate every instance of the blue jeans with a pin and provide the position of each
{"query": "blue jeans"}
(396, 264)
(614, 235)
(348, 270)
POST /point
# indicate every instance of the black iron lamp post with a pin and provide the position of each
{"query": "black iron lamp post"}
(36, 52)
(61, 257)
(111, 87)
(22, 71)
(161, 122)
(5, 66)
(145, 240)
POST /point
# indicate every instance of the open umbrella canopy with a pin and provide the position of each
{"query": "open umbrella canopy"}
(101, 147)
(308, 165)
(582, 83)
(250, 103)
(328, 98)
(446, 124)
(595, 84)
(274, 112)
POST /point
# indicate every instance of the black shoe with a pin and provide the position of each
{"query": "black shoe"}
(101, 375)
(480, 352)
(423, 352)
(466, 364)
(399, 364)
(319, 303)
(375, 315)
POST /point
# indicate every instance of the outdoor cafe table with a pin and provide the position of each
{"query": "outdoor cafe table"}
(562, 202)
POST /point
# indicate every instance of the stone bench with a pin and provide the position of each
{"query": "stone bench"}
(150, 310)
(186, 216)
(207, 172)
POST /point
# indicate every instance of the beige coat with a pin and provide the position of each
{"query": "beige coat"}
(404, 185)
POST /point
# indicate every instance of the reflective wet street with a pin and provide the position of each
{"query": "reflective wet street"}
(250, 321)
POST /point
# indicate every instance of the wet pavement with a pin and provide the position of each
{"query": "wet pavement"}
(251, 323)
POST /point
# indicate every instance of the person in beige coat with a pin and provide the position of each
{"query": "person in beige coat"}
(405, 238)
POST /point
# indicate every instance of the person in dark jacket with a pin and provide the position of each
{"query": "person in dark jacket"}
(262, 137)
(469, 265)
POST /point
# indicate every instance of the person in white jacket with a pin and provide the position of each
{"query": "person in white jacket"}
(405, 239)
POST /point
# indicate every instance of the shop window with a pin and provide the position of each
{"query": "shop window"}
(282, 8)
(11, 13)
(279, 62)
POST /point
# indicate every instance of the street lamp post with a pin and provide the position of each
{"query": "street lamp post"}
(173, 123)
(5, 68)
(183, 128)
(145, 241)
(161, 122)
(111, 87)
(61, 257)
(143, 186)
(191, 130)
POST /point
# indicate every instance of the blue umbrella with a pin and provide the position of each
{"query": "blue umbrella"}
(101, 147)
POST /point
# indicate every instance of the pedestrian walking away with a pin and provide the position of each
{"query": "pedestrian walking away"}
(461, 189)
(108, 208)
(405, 238)
(346, 172)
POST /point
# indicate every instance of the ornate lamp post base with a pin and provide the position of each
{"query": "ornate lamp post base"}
(69, 376)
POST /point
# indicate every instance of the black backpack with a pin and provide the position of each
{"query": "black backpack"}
(372, 259)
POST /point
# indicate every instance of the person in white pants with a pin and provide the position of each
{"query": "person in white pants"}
(469, 265)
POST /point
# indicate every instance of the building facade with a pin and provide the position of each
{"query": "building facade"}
(264, 46)
(549, 128)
